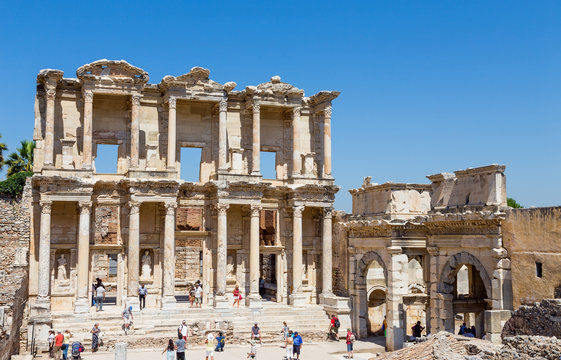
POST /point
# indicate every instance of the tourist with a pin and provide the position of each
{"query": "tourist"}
(252, 351)
(468, 333)
(384, 325)
(180, 348)
(237, 296)
(192, 294)
(66, 344)
(350, 342)
(256, 333)
(473, 330)
(284, 332)
(59, 339)
(183, 330)
(220, 341)
(261, 286)
(296, 345)
(94, 287)
(210, 346)
(77, 348)
(462, 329)
(417, 330)
(142, 291)
(170, 350)
(288, 345)
(99, 297)
(334, 328)
(95, 337)
(198, 295)
(51, 343)
(127, 318)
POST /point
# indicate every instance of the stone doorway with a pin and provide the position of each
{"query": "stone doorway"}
(268, 271)
(376, 311)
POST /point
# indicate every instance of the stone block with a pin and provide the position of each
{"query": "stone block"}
(120, 351)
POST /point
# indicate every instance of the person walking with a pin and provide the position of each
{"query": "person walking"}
(95, 337)
(296, 345)
(142, 292)
(220, 341)
(334, 328)
(417, 329)
(288, 345)
(59, 339)
(210, 343)
(237, 296)
(51, 343)
(384, 325)
(66, 343)
(284, 332)
(180, 348)
(183, 330)
(198, 295)
(94, 288)
(99, 297)
(127, 319)
(170, 350)
(350, 342)
(256, 333)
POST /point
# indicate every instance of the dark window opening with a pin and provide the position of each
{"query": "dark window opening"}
(200, 263)
(539, 269)
(269, 164)
(106, 158)
(190, 164)
(112, 264)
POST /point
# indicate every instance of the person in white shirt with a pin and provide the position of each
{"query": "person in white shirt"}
(198, 295)
(99, 298)
(183, 328)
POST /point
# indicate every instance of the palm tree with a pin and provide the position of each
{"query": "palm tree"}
(22, 159)
(3, 147)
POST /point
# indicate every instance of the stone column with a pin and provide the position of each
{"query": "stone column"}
(327, 142)
(171, 132)
(133, 255)
(397, 288)
(168, 301)
(297, 297)
(50, 91)
(327, 257)
(256, 150)
(221, 255)
(87, 130)
(135, 130)
(433, 316)
(296, 158)
(45, 252)
(222, 133)
(254, 297)
(82, 304)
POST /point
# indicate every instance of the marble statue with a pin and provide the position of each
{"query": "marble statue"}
(146, 266)
(61, 268)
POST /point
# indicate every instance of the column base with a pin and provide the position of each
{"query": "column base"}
(221, 302)
(169, 303)
(255, 301)
(82, 306)
(41, 309)
(134, 302)
(394, 338)
(297, 299)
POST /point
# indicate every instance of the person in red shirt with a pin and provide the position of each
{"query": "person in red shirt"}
(334, 328)
(350, 341)
(59, 338)
(237, 296)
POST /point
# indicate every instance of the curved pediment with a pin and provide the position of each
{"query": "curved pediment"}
(277, 87)
(117, 70)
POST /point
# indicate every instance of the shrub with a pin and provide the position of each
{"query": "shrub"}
(13, 186)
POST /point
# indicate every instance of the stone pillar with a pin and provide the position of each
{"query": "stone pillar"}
(133, 255)
(327, 257)
(296, 158)
(168, 301)
(254, 297)
(221, 255)
(397, 288)
(87, 130)
(297, 297)
(82, 304)
(222, 133)
(256, 149)
(433, 316)
(50, 91)
(327, 142)
(171, 132)
(45, 252)
(135, 130)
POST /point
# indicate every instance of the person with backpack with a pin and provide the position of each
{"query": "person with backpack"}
(334, 327)
(182, 330)
(77, 349)
(220, 340)
(350, 340)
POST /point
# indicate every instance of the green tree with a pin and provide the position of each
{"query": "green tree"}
(3, 147)
(513, 204)
(22, 159)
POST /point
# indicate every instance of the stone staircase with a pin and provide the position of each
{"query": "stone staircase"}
(153, 327)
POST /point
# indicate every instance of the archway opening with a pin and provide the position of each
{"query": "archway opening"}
(468, 301)
(416, 301)
(376, 283)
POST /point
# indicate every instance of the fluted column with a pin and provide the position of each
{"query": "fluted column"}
(50, 125)
(327, 142)
(297, 297)
(87, 130)
(135, 130)
(296, 158)
(171, 132)
(133, 254)
(82, 304)
(221, 259)
(256, 150)
(254, 252)
(168, 300)
(327, 259)
(222, 133)
(45, 250)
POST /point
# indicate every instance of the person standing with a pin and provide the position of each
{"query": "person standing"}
(94, 288)
(66, 344)
(220, 340)
(384, 325)
(180, 348)
(99, 297)
(256, 333)
(417, 329)
(261, 286)
(198, 295)
(59, 339)
(288, 345)
(210, 343)
(350, 342)
(237, 296)
(142, 291)
(296, 345)
(183, 330)
(284, 332)
(95, 337)
(169, 350)
(51, 343)
(192, 295)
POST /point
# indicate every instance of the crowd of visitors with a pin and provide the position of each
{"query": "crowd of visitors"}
(60, 343)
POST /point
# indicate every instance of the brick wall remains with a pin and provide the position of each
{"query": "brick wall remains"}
(189, 219)
(106, 224)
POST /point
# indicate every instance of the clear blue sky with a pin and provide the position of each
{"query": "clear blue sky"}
(426, 86)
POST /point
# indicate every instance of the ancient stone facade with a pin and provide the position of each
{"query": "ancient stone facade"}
(144, 225)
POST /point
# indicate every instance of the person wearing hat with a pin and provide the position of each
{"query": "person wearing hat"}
(288, 345)
(210, 345)
(256, 333)
(296, 345)
(127, 318)
(350, 342)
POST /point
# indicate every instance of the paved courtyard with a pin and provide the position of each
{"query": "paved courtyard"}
(313, 351)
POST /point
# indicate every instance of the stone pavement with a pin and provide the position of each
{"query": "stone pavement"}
(314, 351)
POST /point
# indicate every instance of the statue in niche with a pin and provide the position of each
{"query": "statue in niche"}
(230, 267)
(62, 274)
(146, 266)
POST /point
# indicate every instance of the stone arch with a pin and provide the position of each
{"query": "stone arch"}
(451, 268)
(364, 264)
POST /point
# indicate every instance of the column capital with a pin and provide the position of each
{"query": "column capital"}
(135, 99)
(256, 210)
(327, 112)
(87, 95)
(328, 212)
(432, 250)
(134, 207)
(297, 210)
(296, 111)
(223, 105)
(256, 107)
(394, 250)
(221, 208)
(45, 206)
(50, 93)
(170, 208)
(85, 207)
(172, 102)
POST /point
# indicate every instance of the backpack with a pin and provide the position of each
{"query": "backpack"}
(353, 338)
(179, 334)
(337, 323)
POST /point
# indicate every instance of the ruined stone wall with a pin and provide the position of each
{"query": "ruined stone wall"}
(533, 236)
(542, 319)
(14, 249)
